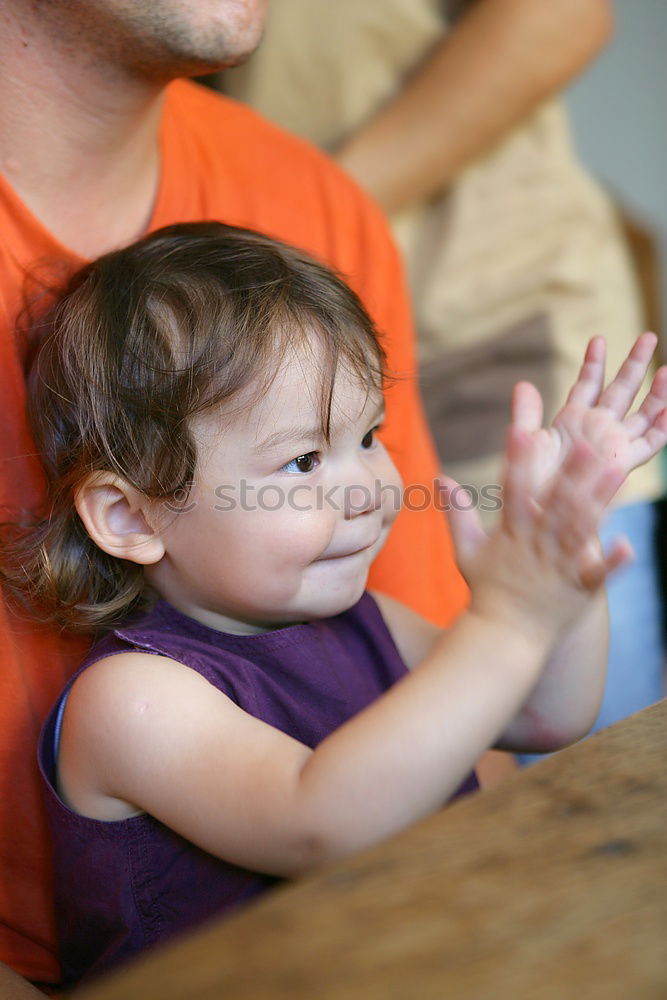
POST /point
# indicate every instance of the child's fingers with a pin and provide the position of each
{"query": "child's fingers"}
(595, 570)
(567, 515)
(578, 498)
(620, 554)
(656, 436)
(527, 407)
(621, 391)
(654, 402)
(590, 380)
(464, 523)
(600, 488)
(518, 500)
(606, 480)
(650, 443)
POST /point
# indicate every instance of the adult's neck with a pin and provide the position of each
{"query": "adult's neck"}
(78, 139)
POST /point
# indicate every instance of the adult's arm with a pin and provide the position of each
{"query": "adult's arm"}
(495, 66)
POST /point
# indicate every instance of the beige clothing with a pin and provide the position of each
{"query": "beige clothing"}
(512, 269)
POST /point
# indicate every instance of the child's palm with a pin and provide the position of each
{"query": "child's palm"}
(598, 415)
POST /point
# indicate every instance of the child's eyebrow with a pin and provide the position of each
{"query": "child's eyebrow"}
(310, 434)
(290, 434)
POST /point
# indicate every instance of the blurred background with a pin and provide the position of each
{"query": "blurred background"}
(618, 113)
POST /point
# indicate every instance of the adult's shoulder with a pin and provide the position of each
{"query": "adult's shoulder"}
(269, 179)
(236, 134)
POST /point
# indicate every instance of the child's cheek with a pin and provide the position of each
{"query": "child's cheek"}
(392, 491)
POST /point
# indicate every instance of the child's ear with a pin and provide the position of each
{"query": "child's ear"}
(114, 515)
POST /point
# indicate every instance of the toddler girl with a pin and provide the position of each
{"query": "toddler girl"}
(207, 404)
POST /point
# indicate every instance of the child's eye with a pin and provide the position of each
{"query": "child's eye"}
(302, 463)
(368, 440)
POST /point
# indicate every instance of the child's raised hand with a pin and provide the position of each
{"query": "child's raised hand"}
(598, 414)
(558, 483)
(540, 565)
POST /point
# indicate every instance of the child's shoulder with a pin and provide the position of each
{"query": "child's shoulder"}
(122, 713)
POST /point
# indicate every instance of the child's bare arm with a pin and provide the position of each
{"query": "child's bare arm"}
(143, 733)
(564, 703)
(538, 726)
(566, 700)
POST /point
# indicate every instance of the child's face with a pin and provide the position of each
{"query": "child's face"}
(280, 526)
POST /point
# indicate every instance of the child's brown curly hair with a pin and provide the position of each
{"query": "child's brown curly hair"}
(140, 341)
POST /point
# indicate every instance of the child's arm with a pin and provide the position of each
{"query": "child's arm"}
(562, 706)
(564, 703)
(143, 732)
(566, 700)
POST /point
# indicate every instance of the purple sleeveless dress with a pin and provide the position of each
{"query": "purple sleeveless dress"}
(122, 886)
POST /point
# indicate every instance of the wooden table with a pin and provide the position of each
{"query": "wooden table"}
(553, 885)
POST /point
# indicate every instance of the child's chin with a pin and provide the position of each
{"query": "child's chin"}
(343, 602)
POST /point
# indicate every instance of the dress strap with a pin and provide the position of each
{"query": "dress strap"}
(57, 726)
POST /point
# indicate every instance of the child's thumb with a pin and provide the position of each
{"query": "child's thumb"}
(464, 522)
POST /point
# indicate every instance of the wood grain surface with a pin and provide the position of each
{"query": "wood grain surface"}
(553, 885)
